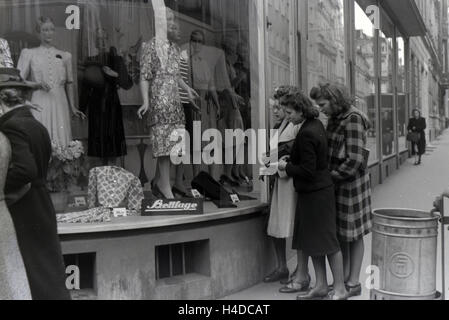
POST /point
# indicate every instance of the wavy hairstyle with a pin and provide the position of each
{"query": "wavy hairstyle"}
(12, 97)
(41, 21)
(297, 100)
(335, 93)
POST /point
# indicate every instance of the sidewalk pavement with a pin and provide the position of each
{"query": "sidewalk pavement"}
(412, 187)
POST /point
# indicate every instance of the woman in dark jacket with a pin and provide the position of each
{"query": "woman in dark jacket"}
(417, 124)
(33, 215)
(315, 224)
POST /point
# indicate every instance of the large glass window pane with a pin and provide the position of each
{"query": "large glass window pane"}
(387, 87)
(401, 99)
(217, 51)
(325, 46)
(365, 74)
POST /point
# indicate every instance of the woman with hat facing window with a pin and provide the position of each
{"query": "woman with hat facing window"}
(33, 214)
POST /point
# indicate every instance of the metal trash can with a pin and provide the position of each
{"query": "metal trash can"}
(405, 251)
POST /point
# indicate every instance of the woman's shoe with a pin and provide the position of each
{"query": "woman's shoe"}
(354, 291)
(333, 297)
(290, 278)
(276, 276)
(296, 287)
(313, 296)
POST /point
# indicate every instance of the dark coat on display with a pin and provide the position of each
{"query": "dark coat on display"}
(99, 97)
(418, 126)
(34, 216)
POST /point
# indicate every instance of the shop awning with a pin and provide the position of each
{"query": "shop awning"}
(403, 13)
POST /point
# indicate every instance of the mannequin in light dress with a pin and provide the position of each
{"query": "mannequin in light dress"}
(50, 70)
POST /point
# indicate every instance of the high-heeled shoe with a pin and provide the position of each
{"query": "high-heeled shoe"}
(158, 193)
(179, 192)
(224, 179)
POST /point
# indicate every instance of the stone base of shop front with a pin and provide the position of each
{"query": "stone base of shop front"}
(171, 258)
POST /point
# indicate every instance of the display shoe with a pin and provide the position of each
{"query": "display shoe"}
(276, 276)
(179, 192)
(224, 179)
(158, 193)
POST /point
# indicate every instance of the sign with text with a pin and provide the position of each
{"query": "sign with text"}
(172, 207)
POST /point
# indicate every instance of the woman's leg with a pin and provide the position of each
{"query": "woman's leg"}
(357, 251)
(164, 180)
(280, 246)
(302, 270)
(346, 260)
(179, 181)
(336, 264)
(321, 286)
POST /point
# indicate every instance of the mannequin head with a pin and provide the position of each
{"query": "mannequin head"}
(173, 31)
(46, 29)
(197, 41)
(102, 39)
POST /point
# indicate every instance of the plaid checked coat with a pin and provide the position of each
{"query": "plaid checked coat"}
(348, 158)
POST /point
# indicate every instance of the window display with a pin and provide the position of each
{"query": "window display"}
(96, 72)
(365, 73)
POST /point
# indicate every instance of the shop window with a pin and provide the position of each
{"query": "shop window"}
(365, 89)
(181, 259)
(387, 101)
(221, 51)
(401, 98)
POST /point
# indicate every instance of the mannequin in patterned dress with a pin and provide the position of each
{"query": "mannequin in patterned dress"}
(5, 55)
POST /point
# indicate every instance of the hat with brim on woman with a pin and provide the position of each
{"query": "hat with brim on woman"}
(10, 78)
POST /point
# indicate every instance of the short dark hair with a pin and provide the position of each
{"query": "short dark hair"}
(337, 94)
(416, 110)
(297, 100)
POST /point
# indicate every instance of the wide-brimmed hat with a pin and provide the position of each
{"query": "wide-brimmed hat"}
(10, 78)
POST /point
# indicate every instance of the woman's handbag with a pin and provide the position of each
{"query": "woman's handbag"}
(413, 137)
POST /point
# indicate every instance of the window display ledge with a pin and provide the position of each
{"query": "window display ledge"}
(212, 213)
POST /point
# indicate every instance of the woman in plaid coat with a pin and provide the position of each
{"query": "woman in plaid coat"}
(348, 157)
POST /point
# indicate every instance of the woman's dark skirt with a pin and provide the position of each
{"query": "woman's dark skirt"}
(316, 223)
